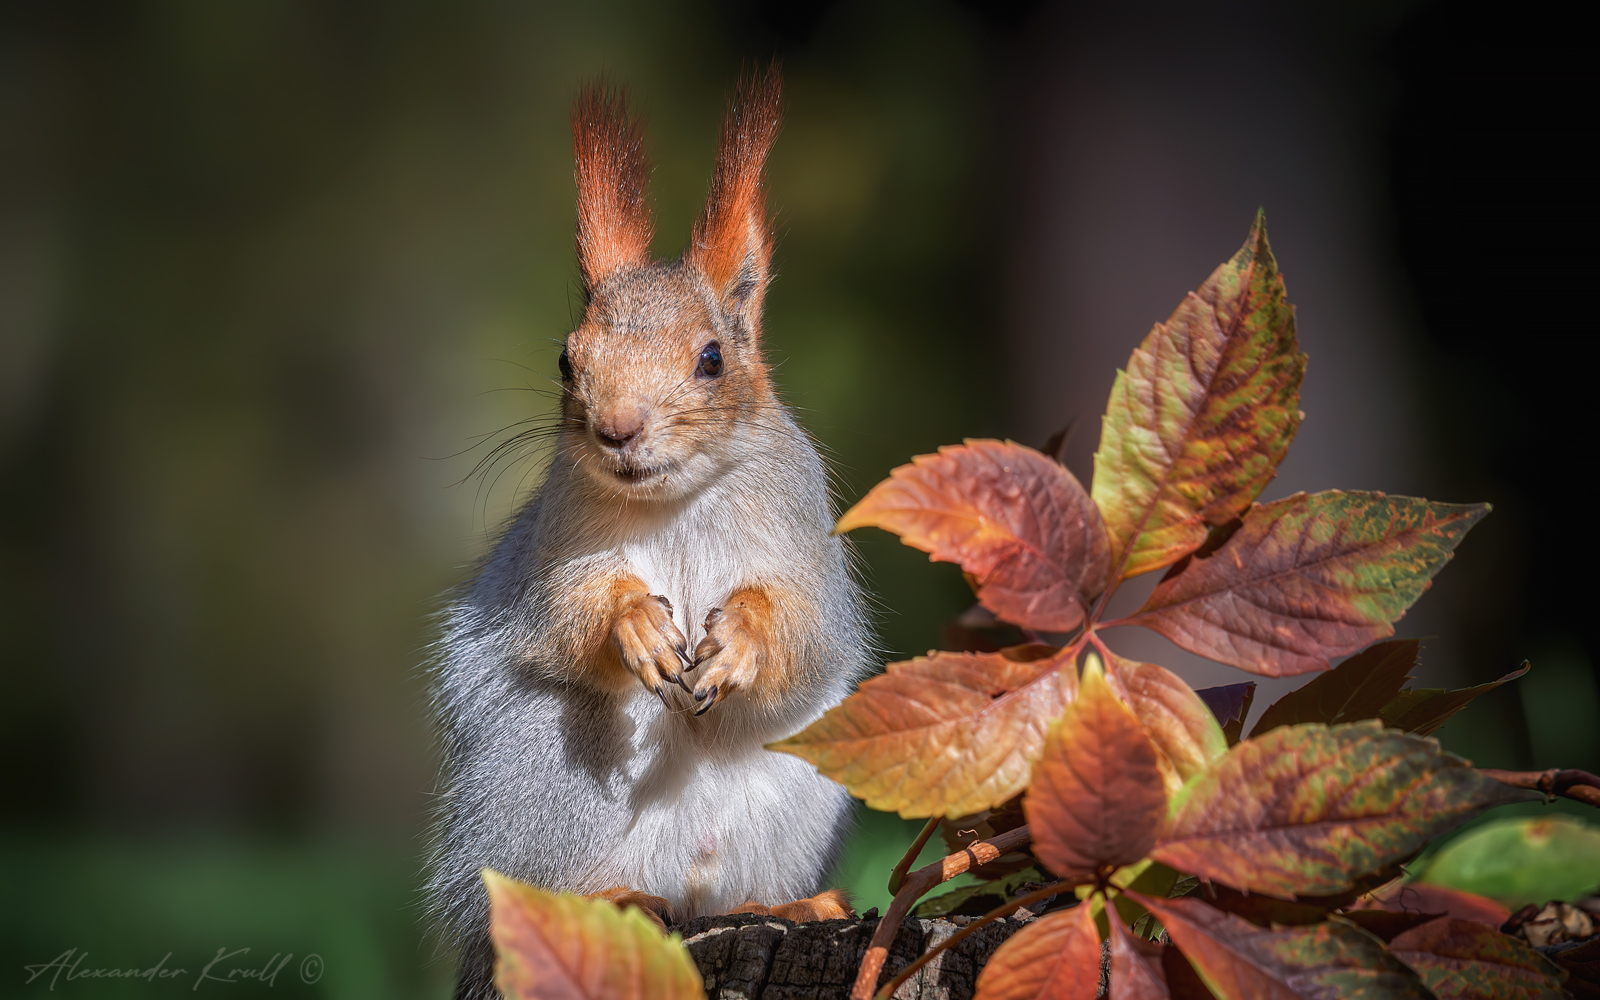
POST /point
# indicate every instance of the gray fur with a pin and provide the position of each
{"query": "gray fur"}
(544, 773)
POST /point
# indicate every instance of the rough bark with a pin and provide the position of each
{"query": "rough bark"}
(748, 957)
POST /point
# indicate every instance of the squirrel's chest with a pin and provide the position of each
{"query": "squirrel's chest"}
(695, 569)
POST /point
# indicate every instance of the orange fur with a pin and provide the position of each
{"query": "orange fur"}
(744, 647)
(614, 224)
(658, 910)
(833, 904)
(732, 243)
(644, 642)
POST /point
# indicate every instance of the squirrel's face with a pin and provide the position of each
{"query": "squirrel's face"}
(663, 380)
(657, 379)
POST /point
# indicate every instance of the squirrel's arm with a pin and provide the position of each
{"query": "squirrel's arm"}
(754, 642)
(617, 632)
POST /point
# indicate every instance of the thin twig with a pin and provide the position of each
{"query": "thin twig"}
(1569, 783)
(898, 876)
(979, 852)
(1003, 910)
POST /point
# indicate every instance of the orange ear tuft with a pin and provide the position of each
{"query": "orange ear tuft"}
(614, 226)
(732, 245)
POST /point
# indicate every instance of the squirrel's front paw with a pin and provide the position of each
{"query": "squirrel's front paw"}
(730, 655)
(650, 645)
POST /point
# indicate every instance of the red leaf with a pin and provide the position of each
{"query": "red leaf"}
(1305, 809)
(1197, 424)
(1307, 578)
(1057, 957)
(556, 946)
(1356, 689)
(1241, 961)
(1096, 798)
(1136, 971)
(1385, 925)
(1463, 958)
(943, 735)
(1020, 525)
(1426, 709)
(1424, 897)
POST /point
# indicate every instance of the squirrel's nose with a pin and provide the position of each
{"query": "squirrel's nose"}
(617, 431)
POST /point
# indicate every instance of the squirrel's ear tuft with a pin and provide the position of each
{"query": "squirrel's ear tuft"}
(732, 243)
(614, 225)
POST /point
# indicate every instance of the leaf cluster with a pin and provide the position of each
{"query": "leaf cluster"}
(1242, 855)
(1209, 863)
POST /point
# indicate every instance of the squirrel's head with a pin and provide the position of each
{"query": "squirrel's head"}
(665, 370)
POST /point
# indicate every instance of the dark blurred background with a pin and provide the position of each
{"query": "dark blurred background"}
(275, 274)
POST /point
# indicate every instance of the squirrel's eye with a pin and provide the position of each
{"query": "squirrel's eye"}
(711, 360)
(565, 364)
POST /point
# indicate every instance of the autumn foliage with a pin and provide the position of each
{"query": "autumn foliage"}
(1209, 862)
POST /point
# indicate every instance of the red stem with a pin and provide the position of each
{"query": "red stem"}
(1569, 783)
(979, 852)
(1003, 910)
(898, 876)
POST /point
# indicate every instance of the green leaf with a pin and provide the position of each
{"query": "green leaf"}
(1521, 860)
(557, 946)
(1356, 689)
(983, 897)
(1205, 411)
(1240, 961)
(1426, 709)
(1463, 958)
(1307, 809)
(1307, 578)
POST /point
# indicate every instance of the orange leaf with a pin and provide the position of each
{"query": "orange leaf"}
(557, 946)
(942, 735)
(1057, 957)
(1020, 525)
(1181, 726)
(1134, 976)
(1096, 799)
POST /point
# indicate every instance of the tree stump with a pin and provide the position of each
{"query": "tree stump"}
(749, 957)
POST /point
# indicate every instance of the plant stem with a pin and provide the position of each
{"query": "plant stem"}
(898, 876)
(979, 852)
(1569, 783)
(1003, 910)
(1105, 654)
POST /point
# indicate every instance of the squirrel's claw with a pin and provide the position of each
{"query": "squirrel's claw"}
(650, 646)
(728, 658)
(709, 697)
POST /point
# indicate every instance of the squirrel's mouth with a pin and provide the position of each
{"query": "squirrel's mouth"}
(635, 474)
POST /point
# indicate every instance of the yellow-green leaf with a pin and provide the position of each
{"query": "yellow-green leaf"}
(557, 946)
(1197, 424)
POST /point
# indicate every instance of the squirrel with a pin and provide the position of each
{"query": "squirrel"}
(669, 601)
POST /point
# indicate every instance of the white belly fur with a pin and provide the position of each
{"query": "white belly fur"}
(710, 831)
(713, 813)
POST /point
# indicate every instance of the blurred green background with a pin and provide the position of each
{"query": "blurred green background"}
(275, 274)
